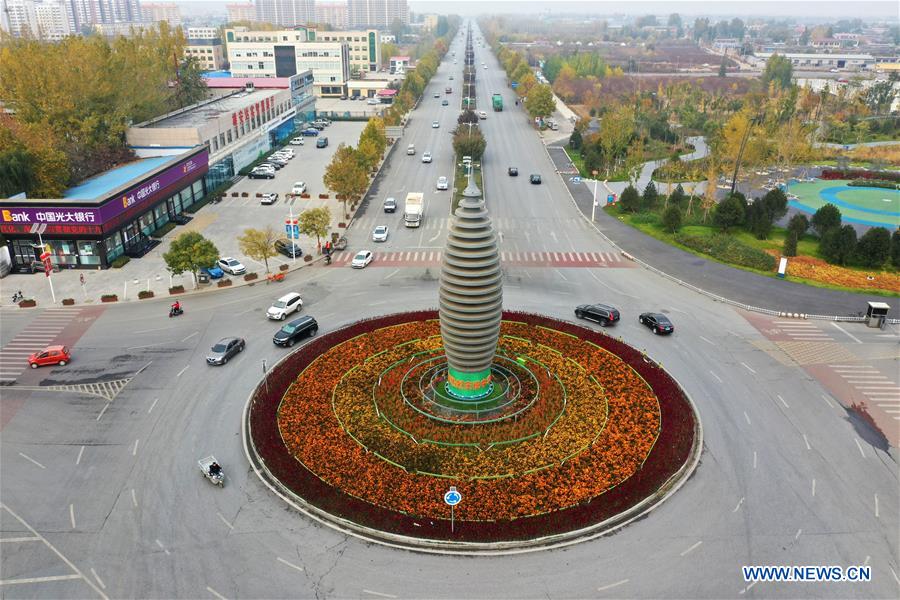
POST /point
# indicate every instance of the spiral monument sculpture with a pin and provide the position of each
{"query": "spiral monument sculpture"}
(471, 298)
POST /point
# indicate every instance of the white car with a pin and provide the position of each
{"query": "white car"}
(380, 234)
(232, 266)
(268, 198)
(482, 115)
(289, 152)
(284, 306)
(297, 141)
(435, 124)
(362, 258)
(485, 66)
(299, 188)
(442, 183)
(372, 101)
(437, 95)
(426, 157)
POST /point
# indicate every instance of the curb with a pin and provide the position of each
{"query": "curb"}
(448, 548)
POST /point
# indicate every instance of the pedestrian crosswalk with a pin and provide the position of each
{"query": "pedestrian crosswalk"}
(802, 331)
(42, 331)
(879, 389)
(502, 224)
(511, 259)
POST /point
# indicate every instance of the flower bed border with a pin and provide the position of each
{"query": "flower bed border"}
(673, 457)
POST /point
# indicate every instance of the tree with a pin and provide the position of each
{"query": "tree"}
(259, 244)
(575, 140)
(778, 70)
(540, 102)
(880, 96)
(374, 131)
(520, 72)
(874, 247)
(630, 200)
(799, 224)
(758, 221)
(790, 244)
(190, 252)
(838, 244)
(672, 218)
(346, 175)
(677, 197)
(895, 248)
(369, 152)
(469, 141)
(315, 221)
(617, 131)
(650, 196)
(467, 116)
(730, 212)
(826, 218)
(723, 69)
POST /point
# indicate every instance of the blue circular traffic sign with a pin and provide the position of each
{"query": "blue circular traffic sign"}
(453, 497)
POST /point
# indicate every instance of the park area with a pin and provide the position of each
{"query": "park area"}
(871, 206)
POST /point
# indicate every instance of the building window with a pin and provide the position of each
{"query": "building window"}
(222, 139)
(229, 136)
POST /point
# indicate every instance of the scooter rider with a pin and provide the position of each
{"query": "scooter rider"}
(215, 470)
(175, 308)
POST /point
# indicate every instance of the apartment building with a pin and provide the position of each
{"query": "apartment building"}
(161, 11)
(241, 12)
(286, 12)
(376, 13)
(335, 14)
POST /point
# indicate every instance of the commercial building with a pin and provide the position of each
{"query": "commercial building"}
(825, 61)
(364, 47)
(335, 14)
(241, 12)
(161, 11)
(288, 52)
(209, 53)
(107, 216)
(202, 33)
(376, 13)
(286, 12)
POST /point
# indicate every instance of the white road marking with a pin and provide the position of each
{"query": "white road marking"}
(814, 488)
(224, 520)
(284, 562)
(558, 272)
(134, 450)
(746, 589)
(80, 452)
(782, 401)
(847, 333)
(707, 341)
(215, 593)
(754, 459)
(133, 498)
(155, 400)
(827, 401)
(740, 502)
(806, 441)
(28, 458)
(190, 336)
(379, 594)
(866, 562)
(72, 515)
(858, 445)
(181, 372)
(797, 535)
(894, 573)
(876, 506)
(39, 579)
(747, 417)
(612, 585)
(719, 379)
(97, 577)
(691, 548)
(160, 544)
(746, 366)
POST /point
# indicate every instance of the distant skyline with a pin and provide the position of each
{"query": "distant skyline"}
(799, 9)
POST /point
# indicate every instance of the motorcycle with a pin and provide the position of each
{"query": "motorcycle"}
(175, 311)
(215, 479)
(18, 296)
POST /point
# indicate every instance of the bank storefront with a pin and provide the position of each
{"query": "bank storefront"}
(85, 233)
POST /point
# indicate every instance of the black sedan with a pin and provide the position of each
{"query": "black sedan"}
(225, 349)
(601, 313)
(535, 178)
(657, 323)
(513, 172)
(288, 248)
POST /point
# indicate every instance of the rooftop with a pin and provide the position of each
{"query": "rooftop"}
(200, 115)
(103, 184)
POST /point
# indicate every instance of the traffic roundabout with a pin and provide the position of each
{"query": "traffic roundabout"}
(580, 434)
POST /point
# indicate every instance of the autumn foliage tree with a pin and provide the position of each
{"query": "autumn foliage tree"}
(346, 174)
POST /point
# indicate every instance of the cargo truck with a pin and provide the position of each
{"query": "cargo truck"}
(497, 101)
(413, 209)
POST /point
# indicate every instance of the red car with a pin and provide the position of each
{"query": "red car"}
(51, 355)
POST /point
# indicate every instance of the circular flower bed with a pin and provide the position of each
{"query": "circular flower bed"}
(587, 429)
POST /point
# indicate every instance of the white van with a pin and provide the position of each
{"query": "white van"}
(411, 149)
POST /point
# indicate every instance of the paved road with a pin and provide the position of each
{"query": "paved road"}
(786, 477)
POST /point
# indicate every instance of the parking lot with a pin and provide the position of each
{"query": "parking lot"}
(349, 107)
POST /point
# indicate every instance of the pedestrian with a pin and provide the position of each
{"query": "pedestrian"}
(81, 279)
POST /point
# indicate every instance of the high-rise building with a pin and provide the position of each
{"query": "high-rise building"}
(20, 18)
(162, 11)
(241, 12)
(333, 13)
(83, 14)
(286, 12)
(376, 13)
(52, 19)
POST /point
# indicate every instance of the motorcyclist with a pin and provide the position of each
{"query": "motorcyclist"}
(176, 307)
(215, 470)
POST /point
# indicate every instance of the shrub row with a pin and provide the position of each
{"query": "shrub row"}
(728, 249)
(860, 174)
(879, 183)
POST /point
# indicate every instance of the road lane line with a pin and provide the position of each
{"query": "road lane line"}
(224, 520)
(39, 579)
(876, 506)
(72, 515)
(740, 502)
(612, 585)
(181, 372)
(160, 544)
(746, 366)
(215, 593)
(847, 333)
(814, 488)
(379, 594)
(103, 411)
(754, 459)
(806, 441)
(827, 401)
(155, 400)
(392, 273)
(691, 549)
(746, 589)
(782, 401)
(707, 341)
(134, 451)
(80, 452)
(28, 458)
(797, 535)
(97, 577)
(719, 379)
(133, 497)
(858, 445)
(291, 565)
(747, 417)
(190, 336)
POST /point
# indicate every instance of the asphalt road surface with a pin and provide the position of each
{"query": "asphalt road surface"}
(102, 495)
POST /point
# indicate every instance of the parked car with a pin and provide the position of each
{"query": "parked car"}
(657, 323)
(535, 178)
(362, 258)
(435, 124)
(271, 164)
(390, 205)
(380, 234)
(51, 355)
(603, 314)
(321, 123)
(278, 160)
(322, 142)
(225, 349)
(513, 171)
(214, 272)
(297, 141)
(284, 306)
(299, 188)
(232, 266)
(373, 101)
(311, 131)
(442, 183)
(268, 198)
(296, 329)
(262, 174)
(288, 248)
(426, 157)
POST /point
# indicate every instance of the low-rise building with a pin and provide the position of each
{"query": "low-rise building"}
(399, 64)
(209, 53)
(202, 33)
(824, 61)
